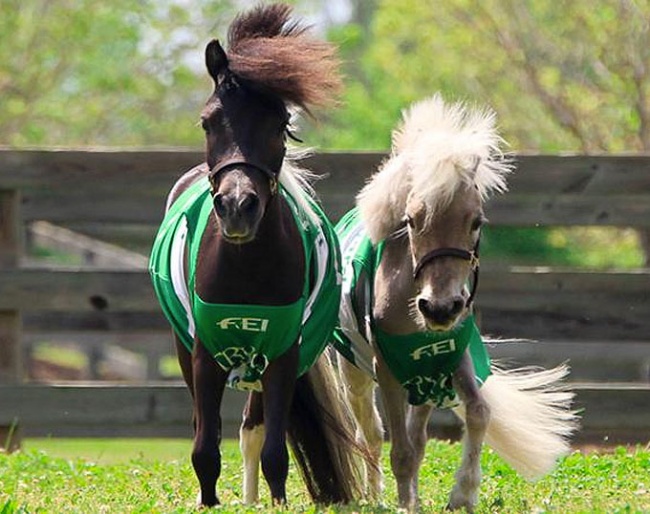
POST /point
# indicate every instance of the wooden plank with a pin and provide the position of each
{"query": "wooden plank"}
(91, 170)
(11, 363)
(130, 187)
(109, 410)
(134, 205)
(10, 228)
(536, 303)
(616, 413)
(581, 174)
(590, 361)
(90, 251)
(518, 323)
(517, 288)
(77, 289)
(632, 210)
(10, 253)
(552, 174)
(560, 324)
(133, 237)
(99, 321)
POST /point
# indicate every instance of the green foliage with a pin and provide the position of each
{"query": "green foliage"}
(586, 247)
(84, 72)
(156, 476)
(59, 355)
(561, 78)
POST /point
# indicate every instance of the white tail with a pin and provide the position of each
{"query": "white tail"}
(531, 418)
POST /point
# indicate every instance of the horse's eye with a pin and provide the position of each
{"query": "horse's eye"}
(289, 133)
(477, 223)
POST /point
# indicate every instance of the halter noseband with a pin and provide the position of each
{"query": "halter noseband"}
(471, 256)
(229, 163)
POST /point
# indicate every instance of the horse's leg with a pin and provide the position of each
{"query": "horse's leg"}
(185, 362)
(402, 453)
(251, 438)
(278, 384)
(359, 393)
(209, 382)
(417, 421)
(477, 416)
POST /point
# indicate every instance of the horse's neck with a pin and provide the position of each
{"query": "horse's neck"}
(269, 270)
(394, 289)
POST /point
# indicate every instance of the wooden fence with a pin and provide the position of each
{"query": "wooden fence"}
(598, 320)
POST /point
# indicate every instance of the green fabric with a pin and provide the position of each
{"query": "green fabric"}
(245, 338)
(255, 334)
(422, 362)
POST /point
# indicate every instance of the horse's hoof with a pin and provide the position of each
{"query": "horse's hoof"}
(468, 508)
(205, 504)
(279, 504)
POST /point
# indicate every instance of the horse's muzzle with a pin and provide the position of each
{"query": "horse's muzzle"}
(440, 315)
(239, 216)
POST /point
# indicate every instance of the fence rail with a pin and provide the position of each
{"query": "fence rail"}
(118, 196)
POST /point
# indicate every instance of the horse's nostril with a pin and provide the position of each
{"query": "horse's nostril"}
(425, 307)
(457, 306)
(220, 204)
(248, 203)
(441, 312)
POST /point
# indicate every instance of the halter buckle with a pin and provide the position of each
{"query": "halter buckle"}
(474, 260)
(273, 185)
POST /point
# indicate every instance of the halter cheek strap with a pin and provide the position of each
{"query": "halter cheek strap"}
(229, 163)
(471, 256)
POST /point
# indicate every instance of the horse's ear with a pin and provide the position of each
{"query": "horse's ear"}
(216, 60)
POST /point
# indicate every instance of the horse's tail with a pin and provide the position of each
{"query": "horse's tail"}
(531, 419)
(322, 437)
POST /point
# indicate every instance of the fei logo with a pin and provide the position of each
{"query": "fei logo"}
(433, 349)
(247, 324)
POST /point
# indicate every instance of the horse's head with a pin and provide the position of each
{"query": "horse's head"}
(245, 132)
(272, 63)
(444, 242)
(445, 162)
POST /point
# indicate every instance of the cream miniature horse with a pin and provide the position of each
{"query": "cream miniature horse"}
(424, 208)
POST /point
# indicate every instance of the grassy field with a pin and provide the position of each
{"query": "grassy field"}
(155, 476)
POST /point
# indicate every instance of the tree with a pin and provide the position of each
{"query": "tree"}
(87, 72)
(562, 76)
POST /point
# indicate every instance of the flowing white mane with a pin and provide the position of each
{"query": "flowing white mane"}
(297, 181)
(437, 148)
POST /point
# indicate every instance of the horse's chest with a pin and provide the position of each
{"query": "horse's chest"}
(424, 362)
(245, 323)
(251, 335)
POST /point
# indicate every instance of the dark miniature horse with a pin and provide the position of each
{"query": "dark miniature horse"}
(252, 255)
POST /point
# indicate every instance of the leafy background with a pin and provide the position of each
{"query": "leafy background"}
(563, 77)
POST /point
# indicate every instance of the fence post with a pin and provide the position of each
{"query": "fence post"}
(11, 365)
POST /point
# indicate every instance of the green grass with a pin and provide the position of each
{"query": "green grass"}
(155, 476)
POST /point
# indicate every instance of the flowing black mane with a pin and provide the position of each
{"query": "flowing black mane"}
(269, 50)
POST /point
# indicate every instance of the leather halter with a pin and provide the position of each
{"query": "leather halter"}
(471, 256)
(229, 163)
